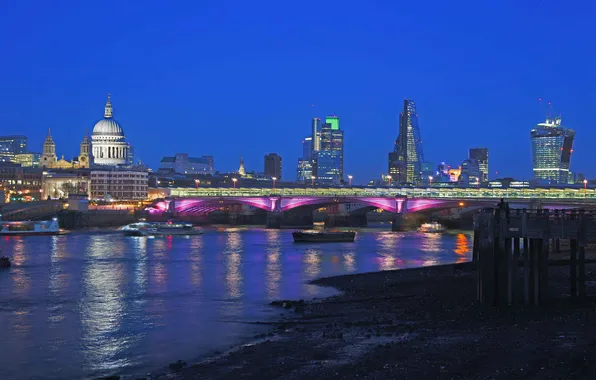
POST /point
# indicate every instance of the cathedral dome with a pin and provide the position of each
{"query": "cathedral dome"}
(107, 127)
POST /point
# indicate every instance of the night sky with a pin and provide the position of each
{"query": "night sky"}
(240, 78)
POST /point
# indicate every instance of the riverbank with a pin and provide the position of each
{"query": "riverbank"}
(417, 324)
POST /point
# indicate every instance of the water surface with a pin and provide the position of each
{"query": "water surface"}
(90, 304)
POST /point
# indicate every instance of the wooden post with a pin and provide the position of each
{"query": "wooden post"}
(573, 267)
(581, 262)
(535, 252)
(527, 271)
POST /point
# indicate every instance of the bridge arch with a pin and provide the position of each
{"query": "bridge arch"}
(387, 204)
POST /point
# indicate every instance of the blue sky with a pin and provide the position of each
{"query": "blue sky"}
(239, 78)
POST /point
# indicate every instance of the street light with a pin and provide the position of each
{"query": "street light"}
(274, 179)
(234, 180)
(477, 183)
(197, 183)
(350, 179)
(585, 187)
(313, 180)
(389, 178)
(430, 178)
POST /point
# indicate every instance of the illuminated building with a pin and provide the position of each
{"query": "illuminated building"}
(183, 164)
(304, 171)
(330, 158)
(454, 174)
(470, 173)
(17, 180)
(405, 162)
(241, 170)
(307, 148)
(552, 145)
(11, 146)
(28, 160)
(109, 144)
(481, 156)
(49, 159)
(124, 184)
(272, 166)
(316, 135)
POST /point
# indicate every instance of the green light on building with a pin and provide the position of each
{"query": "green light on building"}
(333, 121)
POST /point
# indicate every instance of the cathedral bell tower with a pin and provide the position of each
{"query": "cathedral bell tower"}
(85, 156)
(48, 156)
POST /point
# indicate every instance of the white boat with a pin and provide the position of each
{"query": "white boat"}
(160, 229)
(29, 227)
(432, 227)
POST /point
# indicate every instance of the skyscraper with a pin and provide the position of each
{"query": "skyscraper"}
(304, 170)
(481, 156)
(330, 158)
(316, 135)
(11, 146)
(405, 162)
(552, 145)
(307, 148)
(273, 165)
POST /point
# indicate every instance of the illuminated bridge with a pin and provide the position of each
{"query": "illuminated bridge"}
(280, 202)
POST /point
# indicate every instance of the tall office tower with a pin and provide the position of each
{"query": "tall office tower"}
(316, 135)
(330, 158)
(481, 156)
(273, 165)
(307, 148)
(552, 145)
(11, 146)
(406, 160)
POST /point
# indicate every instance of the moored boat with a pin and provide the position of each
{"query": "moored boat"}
(432, 227)
(4, 262)
(160, 229)
(29, 227)
(324, 236)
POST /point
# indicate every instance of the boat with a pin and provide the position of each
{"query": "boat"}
(324, 236)
(4, 262)
(432, 227)
(29, 227)
(160, 229)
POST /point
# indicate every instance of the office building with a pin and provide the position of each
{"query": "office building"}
(552, 145)
(316, 135)
(331, 170)
(481, 156)
(307, 148)
(304, 171)
(183, 164)
(470, 173)
(28, 160)
(405, 162)
(328, 167)
(11, 146)
(121, 184)
(17, 180)
(272, 166)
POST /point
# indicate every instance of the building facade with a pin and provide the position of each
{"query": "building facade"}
(10, 146)
(552, 145)
(17, 180)
(49, 159)
(118, 184)
(62, 183)
(481, 156)
(329, 162)
(272, 166)
(470, 173)
(406, 160)
(28, 160)
(183, 164)
(108, 140)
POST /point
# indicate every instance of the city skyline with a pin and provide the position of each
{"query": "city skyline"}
(462, 101)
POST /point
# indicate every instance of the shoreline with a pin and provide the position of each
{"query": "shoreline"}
(416, 323)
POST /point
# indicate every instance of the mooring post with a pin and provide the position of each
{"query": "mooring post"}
(581, 262)
(572, 255)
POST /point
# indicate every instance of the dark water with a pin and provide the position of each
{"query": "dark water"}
(90, 304)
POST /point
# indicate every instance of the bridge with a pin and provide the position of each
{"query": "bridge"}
(281, 205)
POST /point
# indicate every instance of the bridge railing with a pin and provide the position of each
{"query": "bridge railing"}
(522, 193)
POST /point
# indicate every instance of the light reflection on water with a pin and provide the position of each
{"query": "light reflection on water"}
(101, 304)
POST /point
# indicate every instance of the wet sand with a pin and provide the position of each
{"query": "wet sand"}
(420, 323)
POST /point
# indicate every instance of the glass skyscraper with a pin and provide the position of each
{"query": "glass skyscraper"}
(552, 145)
(407, 157)
(10, 146)
(481, 156)
(330, 158)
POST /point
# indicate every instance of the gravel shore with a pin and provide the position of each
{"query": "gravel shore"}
(420, 323)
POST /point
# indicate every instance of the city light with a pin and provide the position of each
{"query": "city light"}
(274, 179)
(197, 183)
(585, 187)
(350, 179)
(389, 178)
(313, 180)
(234, 180)
(430, 178)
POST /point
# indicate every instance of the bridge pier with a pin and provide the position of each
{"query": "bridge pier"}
(274, 219)
(398, 222)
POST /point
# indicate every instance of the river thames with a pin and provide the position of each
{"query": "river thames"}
(90, 304)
